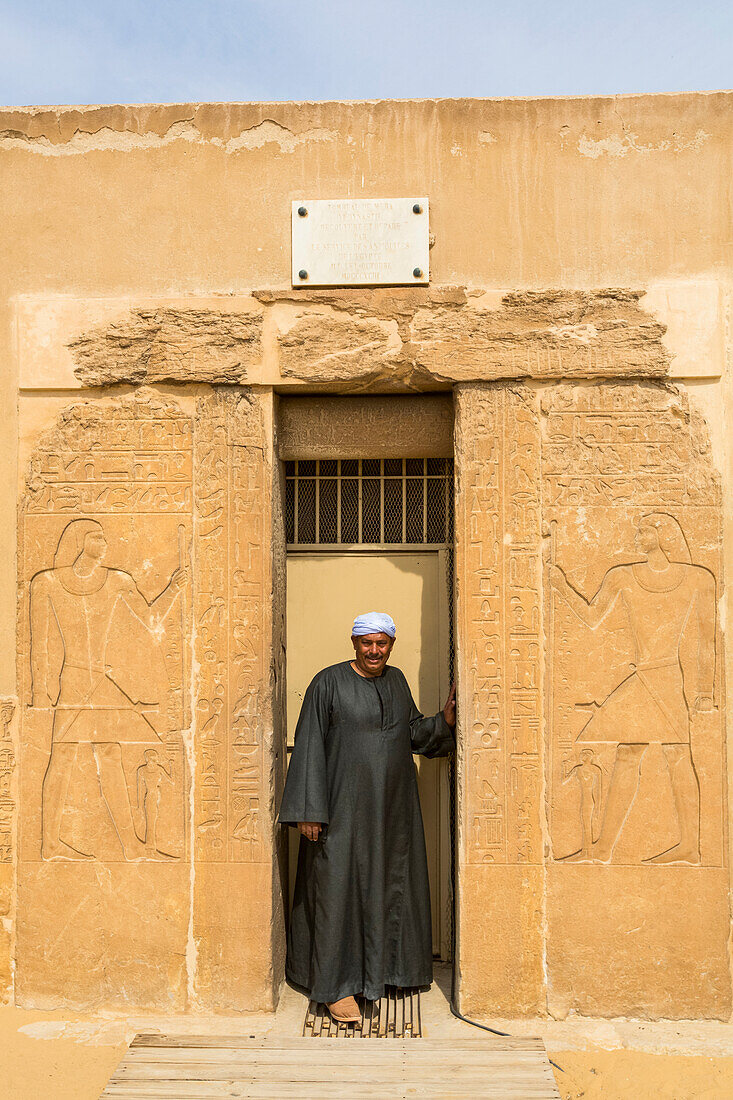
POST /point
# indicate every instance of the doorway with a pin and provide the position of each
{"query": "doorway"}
(373, 534)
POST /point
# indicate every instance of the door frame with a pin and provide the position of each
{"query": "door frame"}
(446, 827)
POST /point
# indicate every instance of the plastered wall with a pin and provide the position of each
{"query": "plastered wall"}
(579, 312)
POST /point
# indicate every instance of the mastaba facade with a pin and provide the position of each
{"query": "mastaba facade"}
(572, 351)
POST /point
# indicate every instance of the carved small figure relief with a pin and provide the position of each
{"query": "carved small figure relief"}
(151, 778)
(588, 775)
(97, 664)
(670, 610)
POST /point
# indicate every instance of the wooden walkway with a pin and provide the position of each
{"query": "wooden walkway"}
(203, 1067)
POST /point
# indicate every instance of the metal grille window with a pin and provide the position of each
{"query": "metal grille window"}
(380, 502)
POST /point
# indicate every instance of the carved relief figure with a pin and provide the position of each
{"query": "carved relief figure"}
(588, 775)
(96, 662)
(670, 608)
(151, 776)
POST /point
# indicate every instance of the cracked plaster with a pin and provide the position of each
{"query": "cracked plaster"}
(107, 139)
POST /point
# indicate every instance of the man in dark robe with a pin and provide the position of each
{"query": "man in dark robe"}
(361, 910)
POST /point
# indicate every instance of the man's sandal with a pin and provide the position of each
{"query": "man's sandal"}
(345, 1011)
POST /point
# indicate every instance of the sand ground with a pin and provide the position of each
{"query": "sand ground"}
(70, 1056)
(630, 1075)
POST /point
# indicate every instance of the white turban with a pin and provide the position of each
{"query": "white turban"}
(374, 622)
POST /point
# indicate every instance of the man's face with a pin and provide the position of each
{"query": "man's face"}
(372, 652)
(95, 545)
(647, 538)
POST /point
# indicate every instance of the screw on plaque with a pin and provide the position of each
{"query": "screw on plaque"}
(417, 208)
(302, 274)
(417, 272)
(302, 211)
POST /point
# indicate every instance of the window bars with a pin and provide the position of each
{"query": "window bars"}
(376, 502)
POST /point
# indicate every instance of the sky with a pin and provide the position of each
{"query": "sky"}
(143, 51)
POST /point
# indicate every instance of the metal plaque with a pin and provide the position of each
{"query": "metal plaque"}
(360, 242)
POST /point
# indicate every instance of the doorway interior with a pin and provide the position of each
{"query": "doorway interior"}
(377, 534)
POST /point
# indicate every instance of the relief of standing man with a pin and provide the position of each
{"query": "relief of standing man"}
(670, 609)
(97, 664)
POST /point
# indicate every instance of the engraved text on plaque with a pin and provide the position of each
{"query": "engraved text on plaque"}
(360, 242)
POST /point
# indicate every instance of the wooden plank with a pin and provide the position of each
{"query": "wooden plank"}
(334, 1057)
(496, 1089)
(211, 1042)
(280, 1058)
(153, 1040)
(186, 1090)
(219, 1058)
(470, 1086)
(384, 1074)
(315, 1074)
(234, 1089)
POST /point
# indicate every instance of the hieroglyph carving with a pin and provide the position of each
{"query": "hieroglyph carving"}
(7, 766)
(336, 427)
(104, 542)
(231, 605)
(634, 545)
(498, 536)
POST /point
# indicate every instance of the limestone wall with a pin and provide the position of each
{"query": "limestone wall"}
(579, 312)
(149, 748)
(593, 809)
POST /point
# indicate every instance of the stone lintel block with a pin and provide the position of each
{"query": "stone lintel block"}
(170, 344)
(320, 344)
(540, 334)
(380, 338)
(66, 342)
